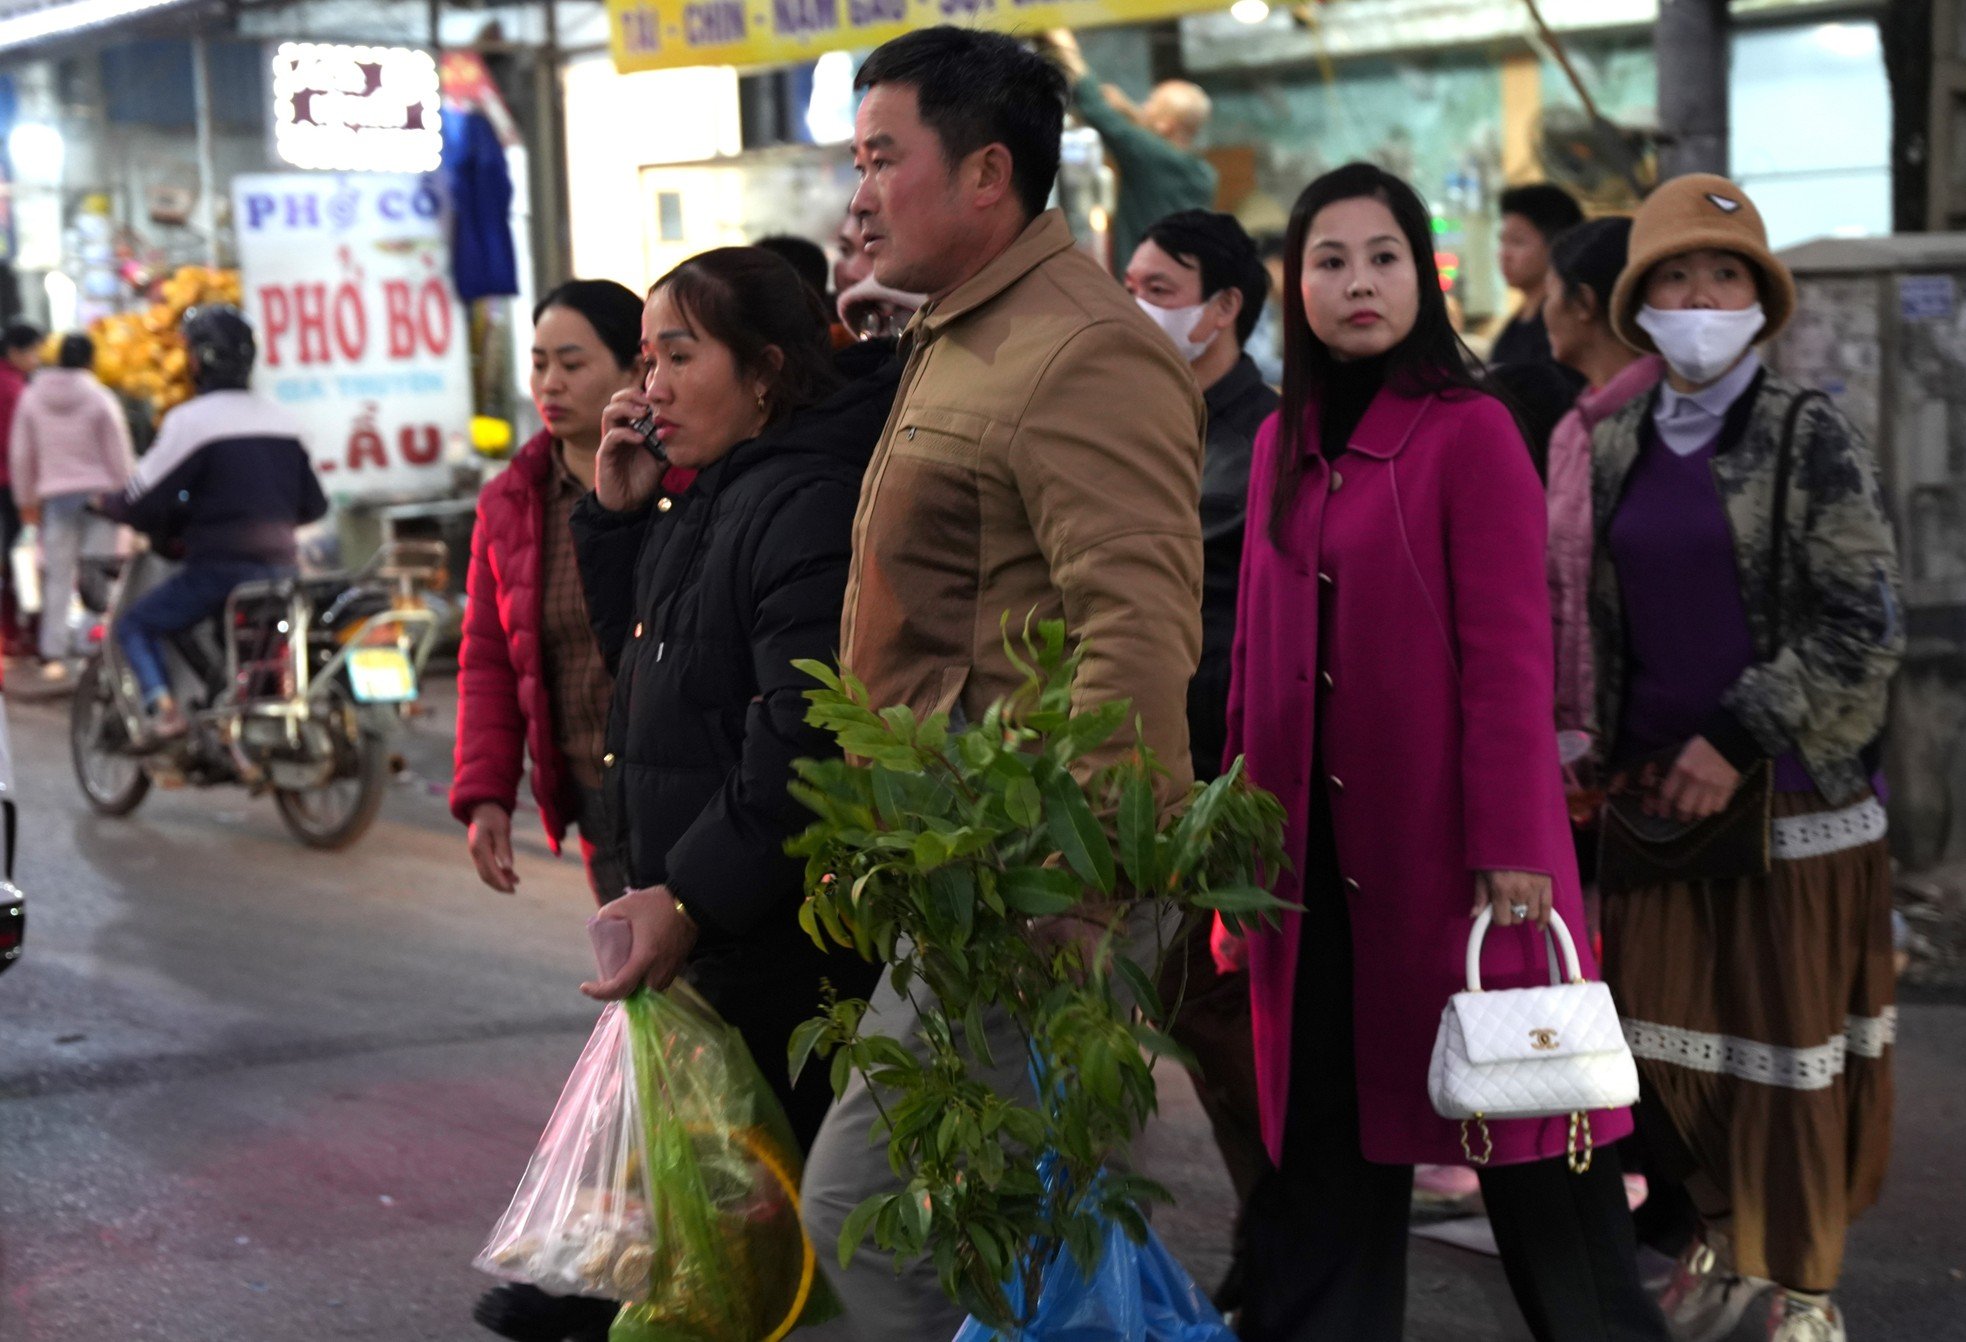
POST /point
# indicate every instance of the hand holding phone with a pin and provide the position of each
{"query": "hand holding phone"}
(650, 438)
(628, 471)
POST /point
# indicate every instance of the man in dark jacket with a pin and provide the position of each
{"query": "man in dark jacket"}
(1197, 275)
(228, 482)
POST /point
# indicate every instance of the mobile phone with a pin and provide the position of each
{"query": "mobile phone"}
(650, 438)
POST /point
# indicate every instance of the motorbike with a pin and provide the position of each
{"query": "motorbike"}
(296, 689)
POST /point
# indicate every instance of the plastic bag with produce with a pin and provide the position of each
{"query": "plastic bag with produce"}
(667, 1179)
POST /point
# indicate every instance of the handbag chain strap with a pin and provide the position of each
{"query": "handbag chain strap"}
(1580, 1153)
(1579, 1148)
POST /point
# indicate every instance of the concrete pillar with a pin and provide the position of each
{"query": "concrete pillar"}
(552, 234)
(1690, 45)
(208, 183)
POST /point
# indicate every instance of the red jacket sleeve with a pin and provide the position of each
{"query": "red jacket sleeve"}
(1495, 526)
(491, 726)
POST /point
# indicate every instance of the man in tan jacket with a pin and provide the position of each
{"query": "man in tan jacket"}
(1043, 456)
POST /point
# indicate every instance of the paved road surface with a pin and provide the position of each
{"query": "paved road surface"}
(255, 1093)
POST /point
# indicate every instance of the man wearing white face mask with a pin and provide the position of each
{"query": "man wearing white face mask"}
(1745, 619)
(1198, 277)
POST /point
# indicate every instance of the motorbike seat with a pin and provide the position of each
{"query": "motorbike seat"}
(270, 600)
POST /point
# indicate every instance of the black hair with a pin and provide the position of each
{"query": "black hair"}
(978, 88)
(19, 336)
(77, 351)
(1550, 208)
(611, 309)
(1430, 359)
(1216, 245)
(1592, 256)
(1539, 394)
(751, 301)
(808, 258)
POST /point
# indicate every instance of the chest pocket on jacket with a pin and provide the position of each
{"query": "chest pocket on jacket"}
(950, 437)
(928, 487)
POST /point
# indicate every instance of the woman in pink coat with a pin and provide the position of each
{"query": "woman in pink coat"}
(1584, 266)
(1392, 685)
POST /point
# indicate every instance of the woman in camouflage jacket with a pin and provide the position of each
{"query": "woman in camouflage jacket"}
(1732, 627)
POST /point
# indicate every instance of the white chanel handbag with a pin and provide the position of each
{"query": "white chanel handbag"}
(1531, 1052)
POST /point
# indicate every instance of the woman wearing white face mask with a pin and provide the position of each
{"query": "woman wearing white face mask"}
(1746, 623)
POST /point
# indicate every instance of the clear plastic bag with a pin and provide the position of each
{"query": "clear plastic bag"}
(667, 1179)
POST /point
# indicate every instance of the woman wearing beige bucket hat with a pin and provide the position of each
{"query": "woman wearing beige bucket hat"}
(1746, 621)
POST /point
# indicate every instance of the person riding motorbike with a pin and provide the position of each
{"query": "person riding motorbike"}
(226, 485)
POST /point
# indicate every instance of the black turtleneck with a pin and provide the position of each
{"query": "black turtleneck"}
(1346, 396)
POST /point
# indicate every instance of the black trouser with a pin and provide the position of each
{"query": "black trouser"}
(1326, 1245)
(10, 529)
(765, 989)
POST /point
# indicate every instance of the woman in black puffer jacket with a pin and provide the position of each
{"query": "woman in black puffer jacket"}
(701, 604)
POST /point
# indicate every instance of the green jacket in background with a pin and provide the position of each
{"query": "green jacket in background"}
(1828, 629)
(1156, 178)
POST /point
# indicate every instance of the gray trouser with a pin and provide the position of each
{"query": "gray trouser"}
(65, 524)
(843, 1170)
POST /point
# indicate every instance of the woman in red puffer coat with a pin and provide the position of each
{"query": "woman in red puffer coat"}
(531, 678)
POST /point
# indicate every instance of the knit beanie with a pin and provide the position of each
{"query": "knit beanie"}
(1688, 214)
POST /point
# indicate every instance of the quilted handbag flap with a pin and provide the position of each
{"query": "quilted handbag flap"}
(1531, 1024)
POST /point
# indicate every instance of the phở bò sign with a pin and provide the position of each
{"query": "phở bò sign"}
(346, 280)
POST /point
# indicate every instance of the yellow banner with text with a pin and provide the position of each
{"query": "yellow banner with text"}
(664, 34)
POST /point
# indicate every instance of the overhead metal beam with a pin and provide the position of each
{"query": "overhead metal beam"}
(20, 27)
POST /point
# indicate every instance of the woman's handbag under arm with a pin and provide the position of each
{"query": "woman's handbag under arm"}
(1636, 848)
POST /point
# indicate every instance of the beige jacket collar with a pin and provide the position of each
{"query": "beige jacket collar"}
(1043, 238)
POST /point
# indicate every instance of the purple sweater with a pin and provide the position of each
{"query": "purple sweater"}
(1686, 627)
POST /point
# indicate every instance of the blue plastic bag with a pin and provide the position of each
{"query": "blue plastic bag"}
(1138, 1294)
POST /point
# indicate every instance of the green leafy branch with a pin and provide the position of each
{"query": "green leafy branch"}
(1001, 866)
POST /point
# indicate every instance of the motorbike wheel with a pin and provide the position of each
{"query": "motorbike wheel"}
(340, 812)
(113, 783)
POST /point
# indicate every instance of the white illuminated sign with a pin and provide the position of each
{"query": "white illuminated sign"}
(346, 109)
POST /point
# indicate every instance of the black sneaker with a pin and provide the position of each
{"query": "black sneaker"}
(1229, 1295)
(527, 1314)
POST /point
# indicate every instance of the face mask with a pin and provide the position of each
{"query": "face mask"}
(1177, 322)
(1702, 345)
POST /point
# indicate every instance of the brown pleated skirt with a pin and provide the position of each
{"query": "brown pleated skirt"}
(1762, 1015)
